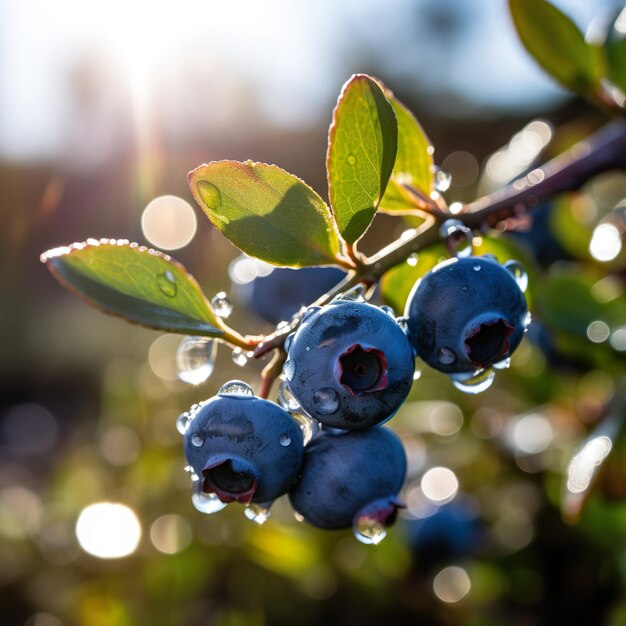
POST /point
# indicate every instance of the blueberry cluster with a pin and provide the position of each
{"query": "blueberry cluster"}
(349, 367)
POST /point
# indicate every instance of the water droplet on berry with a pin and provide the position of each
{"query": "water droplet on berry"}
(403, 323)
(473, 383)
(519, 273)
(457, 237)
(166, 282)
(182, 423)
(288, 342)
(258, 513)
(502, 365)
(197, 440)
(289, 369)
(195, 359)
(527, 320)
(442, 180)
(369, 530)
(310, 311)
(235, 388)
(351, 159)
(205, 502)
(387, 309)
(412, 259)
(284, 440)
(445, 356)
(308, 425)
(240, 357)
(476, 268)
(222, 306)
(286, 398)
(326, 400)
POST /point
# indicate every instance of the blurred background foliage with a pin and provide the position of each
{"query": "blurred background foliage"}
(515, 497)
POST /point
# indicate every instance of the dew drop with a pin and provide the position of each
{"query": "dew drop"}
(258, 513)
(308, 425)
(195, 359)
(209, 194)
(473, 383)
(519, 273)
(412, 259)
(284, 440)
(326, 400)
(221, 304)
(476, 268)
(240, 357)
(286, 399)
(235, 388)
(417, 374)
(166, 282)
(387, 309)
(310, 311)
(369, 530)
(403, 322)
(205, 502)
(351, 159)
(445, 356)
(442, 180)
(356, 294)
(289, 369)
(457, 237)
(288, 342)
(197, 440)
(182, 423)
(527, 320)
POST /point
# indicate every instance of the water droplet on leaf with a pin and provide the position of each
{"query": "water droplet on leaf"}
(222, 306)
(166, 282)
(209, 194)
(195, 359)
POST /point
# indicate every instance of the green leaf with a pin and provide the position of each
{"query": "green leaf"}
(141, 285)
(615, 47)
(556, 43)
(266, 212)
(414, 162)
(362, 146)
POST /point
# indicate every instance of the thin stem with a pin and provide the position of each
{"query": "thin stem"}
(271, 372)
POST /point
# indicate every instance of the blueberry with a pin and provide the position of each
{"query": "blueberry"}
(350, 474)
(245, 449)
(350, 365)
(279, 295)
(466, 314)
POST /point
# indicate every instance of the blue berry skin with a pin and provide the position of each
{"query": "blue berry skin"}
(343, 473)
(250, 450)
(282, 293)
(350, 365)
(466, 314)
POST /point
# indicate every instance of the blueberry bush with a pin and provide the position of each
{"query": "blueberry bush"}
(352, 332)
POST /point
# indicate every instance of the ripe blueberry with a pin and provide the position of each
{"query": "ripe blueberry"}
(279, 295)
(349, 365)
(350, 474)
(245, 449)
(466, 314)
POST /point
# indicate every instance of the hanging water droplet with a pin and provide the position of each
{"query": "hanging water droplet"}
(205, 502)
(519, 273)
(197, 440)
(412, 259)
(417, 374)
(369, 530)
(308, 425)
(457, 237)
(473, 383)
(222, 306)
(182, 423)
(527, 320)
(235, 388)
(442, 180)
(445, 356)
(240, 357)
(310, 311)
(289, 369)
(209, 194)
(476, 268)
(195, 359)
(188, 468)
(288, 341)
(403, 323)
(298, 517)
(326, 400)
(284, 440)
(502, 365)
(166, 282)
(286, 398)
(387, 309)
(258, 513)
